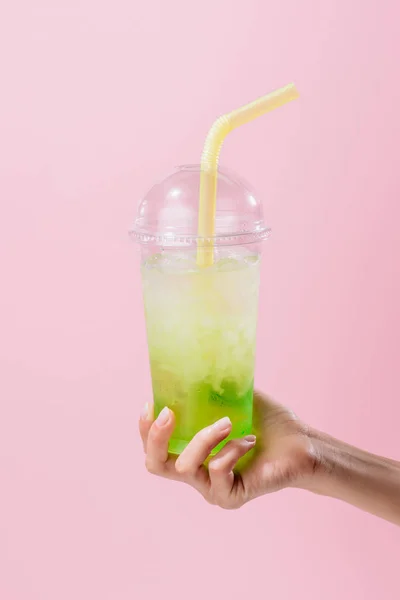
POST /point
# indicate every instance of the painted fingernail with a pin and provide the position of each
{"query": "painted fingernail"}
(163, 417)
(145, 412)
(222, 424)
(250, 439)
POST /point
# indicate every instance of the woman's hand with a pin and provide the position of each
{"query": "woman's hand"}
(281, 455)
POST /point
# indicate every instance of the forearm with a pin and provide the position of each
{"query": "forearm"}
(369, 482)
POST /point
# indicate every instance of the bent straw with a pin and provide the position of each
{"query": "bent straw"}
(210, 157)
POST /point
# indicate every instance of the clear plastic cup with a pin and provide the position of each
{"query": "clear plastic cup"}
(201, 321)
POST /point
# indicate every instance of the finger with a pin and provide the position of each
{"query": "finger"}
(157, 441)
(145, 422)
(221, 466)
(198, 449)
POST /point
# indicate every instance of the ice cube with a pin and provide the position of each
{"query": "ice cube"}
(229, 264)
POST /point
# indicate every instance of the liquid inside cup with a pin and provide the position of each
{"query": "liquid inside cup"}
(201, 320)
(201, 328)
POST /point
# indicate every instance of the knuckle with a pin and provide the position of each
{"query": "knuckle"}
(183, 468)
(229, 504)
(226, 501)
(216, 467)
(220, 501)
(151, 466)
(210, 500)
(179, 467)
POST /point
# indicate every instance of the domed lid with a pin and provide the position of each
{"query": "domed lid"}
(168, 214)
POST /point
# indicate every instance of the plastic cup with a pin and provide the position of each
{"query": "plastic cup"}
(201, 321)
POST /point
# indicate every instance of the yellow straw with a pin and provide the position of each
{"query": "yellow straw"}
(209, 162)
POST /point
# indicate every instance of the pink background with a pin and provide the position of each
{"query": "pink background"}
(99, 98)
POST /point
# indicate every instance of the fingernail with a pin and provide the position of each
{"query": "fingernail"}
(163, 417)
(222, 424)
(250, 439)
(145, 412)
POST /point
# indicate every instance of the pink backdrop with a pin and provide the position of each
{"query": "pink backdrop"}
(97, 99)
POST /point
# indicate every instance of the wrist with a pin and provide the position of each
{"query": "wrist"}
(341, 471)
(329, 465)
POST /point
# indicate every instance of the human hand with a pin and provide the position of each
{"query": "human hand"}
(282, 454)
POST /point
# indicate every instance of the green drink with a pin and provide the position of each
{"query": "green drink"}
(201, 329)
(200, 231)
(201, 320)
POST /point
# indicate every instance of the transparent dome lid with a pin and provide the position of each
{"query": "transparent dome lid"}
(168, 213)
